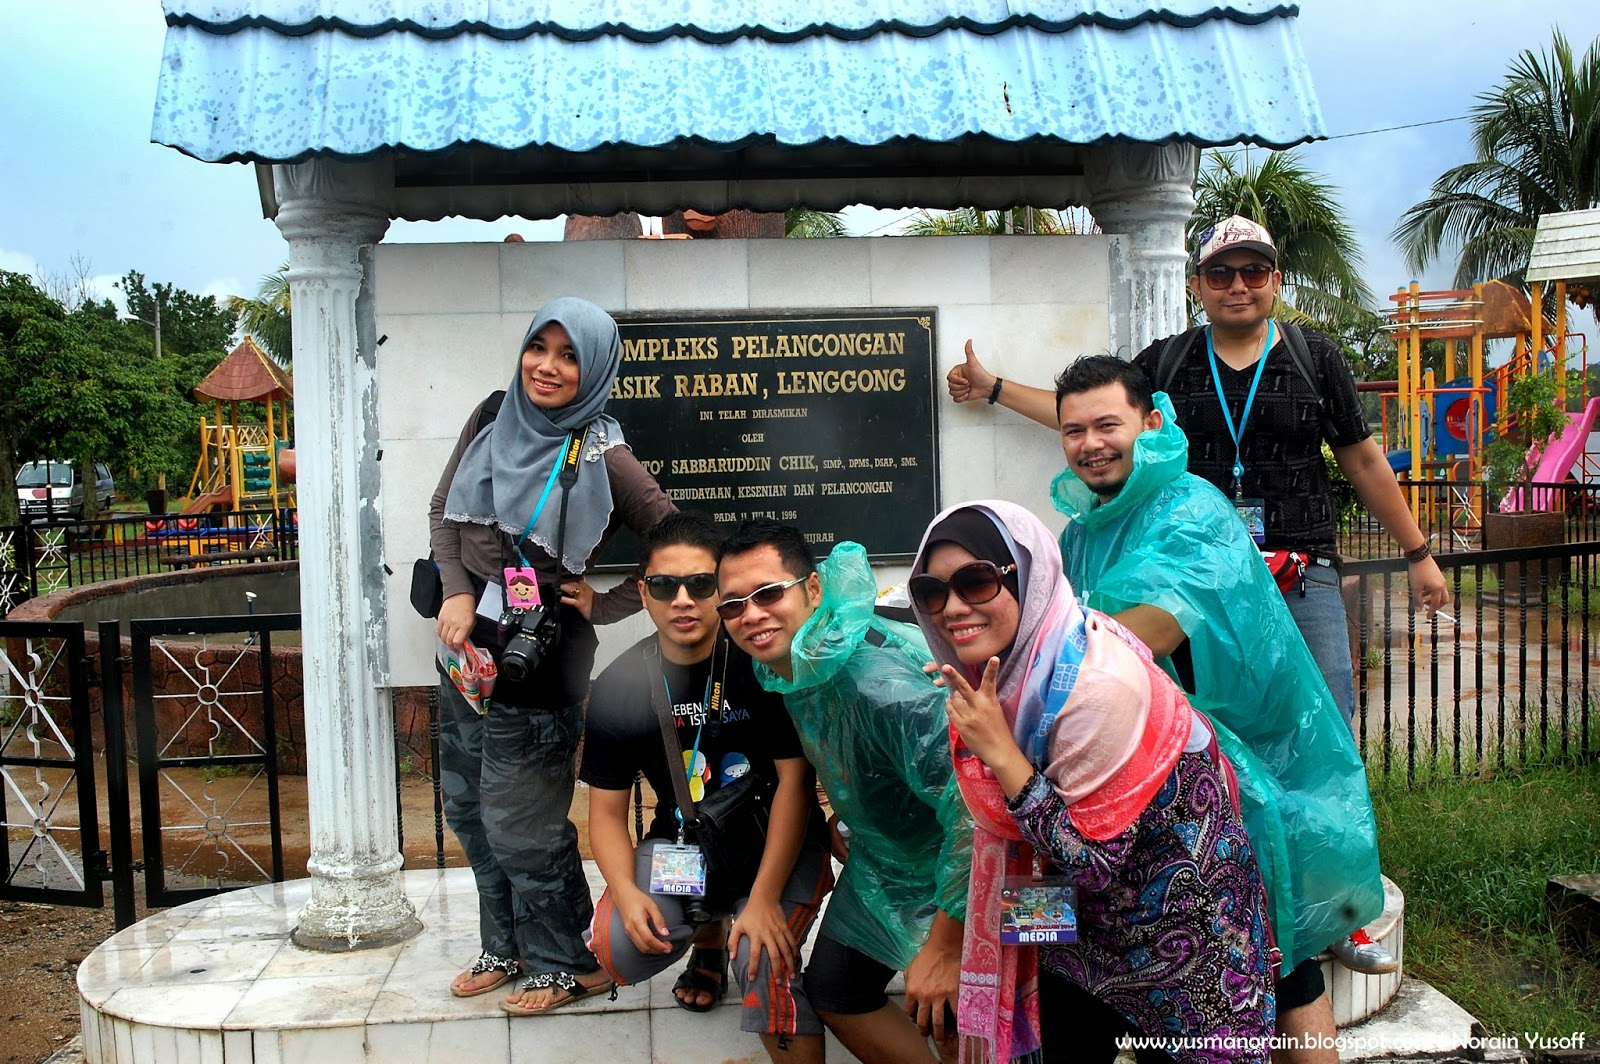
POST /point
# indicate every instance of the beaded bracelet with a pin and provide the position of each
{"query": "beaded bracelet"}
(1419, 554)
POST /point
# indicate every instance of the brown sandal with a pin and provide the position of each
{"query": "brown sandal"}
(507, 967)
(562, 981)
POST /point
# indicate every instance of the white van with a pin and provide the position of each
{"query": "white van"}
(54, 488)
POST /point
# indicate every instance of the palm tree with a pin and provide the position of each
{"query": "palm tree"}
(267, 316)
(1537, 138)
(805, 223)
(969, 221)
(1317, 249)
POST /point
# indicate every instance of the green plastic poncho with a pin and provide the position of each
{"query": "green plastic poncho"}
(1172, 540)
(874, 727)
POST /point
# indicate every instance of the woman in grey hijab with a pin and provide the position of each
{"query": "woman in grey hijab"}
(507, 774)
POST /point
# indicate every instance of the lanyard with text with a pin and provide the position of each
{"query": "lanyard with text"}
(711, 697)
(1244, 416)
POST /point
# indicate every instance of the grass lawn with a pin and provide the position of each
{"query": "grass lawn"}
(1472, 858)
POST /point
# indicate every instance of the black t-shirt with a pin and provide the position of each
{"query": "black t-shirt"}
(622, 736)
(1282, 442)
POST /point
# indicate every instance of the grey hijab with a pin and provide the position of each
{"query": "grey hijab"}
(505, 468)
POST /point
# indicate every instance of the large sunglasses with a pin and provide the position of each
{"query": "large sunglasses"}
(974, 583)
(664, 588)
(1219, 278)
(763, 596)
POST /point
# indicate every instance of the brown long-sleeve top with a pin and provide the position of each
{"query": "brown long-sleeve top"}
(470, 556)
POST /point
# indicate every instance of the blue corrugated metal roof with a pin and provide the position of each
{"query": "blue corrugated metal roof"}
(713, 20)
(283, 80)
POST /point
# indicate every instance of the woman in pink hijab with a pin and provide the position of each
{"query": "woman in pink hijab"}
(1081, 760)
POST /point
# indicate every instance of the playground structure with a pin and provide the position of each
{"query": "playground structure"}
(1436, 431)
(244, 465)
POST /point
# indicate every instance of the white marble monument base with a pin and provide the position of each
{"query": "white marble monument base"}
(219, 982)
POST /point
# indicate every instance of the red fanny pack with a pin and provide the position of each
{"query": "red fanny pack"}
(1288, 568)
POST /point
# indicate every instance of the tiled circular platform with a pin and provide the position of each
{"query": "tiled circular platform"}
(219, 982)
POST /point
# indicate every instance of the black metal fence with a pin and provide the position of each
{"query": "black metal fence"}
(1509, 679)
(46, 556)
(1450, 513)
(203, 733)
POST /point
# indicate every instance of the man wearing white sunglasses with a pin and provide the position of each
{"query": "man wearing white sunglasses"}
(874, 727)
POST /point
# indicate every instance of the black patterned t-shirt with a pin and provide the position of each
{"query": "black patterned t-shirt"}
(1281, 445)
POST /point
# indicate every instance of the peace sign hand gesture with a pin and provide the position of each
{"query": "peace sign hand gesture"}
(981, 723)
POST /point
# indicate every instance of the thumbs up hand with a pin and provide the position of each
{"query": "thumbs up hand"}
(969, 380)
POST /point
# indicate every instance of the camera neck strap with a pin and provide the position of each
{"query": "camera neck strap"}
(716, 685)
(566, 473)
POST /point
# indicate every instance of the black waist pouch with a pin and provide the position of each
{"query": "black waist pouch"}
(427, 588)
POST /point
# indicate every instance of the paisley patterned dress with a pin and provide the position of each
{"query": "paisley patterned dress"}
(1172, 922)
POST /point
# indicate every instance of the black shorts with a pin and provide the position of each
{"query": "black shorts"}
(847, 981)
(1303, 985)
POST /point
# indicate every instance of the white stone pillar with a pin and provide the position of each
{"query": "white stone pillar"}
(332, 213)
(1145, 192)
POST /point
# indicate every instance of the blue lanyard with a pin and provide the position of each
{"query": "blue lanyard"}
(694, 754)
(1227, 415)
(539, 507)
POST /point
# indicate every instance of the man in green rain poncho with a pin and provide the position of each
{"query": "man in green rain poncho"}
(1166, 553)
(873, 726)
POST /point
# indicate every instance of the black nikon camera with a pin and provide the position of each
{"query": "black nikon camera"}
(529, 634)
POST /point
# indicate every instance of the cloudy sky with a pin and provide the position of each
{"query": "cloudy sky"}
(80, 182)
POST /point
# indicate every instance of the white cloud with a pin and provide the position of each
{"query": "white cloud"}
(18, 262)
(222, 288)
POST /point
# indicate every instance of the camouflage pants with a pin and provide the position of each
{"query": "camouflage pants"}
(507, 779)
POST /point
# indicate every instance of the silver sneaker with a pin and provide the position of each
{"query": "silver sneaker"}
(1360, 954)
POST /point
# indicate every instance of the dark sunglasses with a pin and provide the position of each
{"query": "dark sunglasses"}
(664, 588)
(763, 596)
(974, 583)
(1219, 278)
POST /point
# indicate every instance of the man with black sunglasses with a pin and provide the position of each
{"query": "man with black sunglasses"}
(637, 934)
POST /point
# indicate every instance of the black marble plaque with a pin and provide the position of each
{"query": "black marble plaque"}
(819, 418)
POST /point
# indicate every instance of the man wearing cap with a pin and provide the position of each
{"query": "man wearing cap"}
(1264, 443)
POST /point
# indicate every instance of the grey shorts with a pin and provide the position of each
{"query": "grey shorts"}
(772, 1004)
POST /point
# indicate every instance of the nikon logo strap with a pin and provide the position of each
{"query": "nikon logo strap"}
(569, 463)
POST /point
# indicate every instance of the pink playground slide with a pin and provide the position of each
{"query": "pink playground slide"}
(1556, 461)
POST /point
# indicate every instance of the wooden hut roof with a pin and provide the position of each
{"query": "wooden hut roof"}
(247, 373)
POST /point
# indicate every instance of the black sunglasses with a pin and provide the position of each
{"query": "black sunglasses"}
(974, 583)
(664, 588)
(763, 596)
(1219, 278)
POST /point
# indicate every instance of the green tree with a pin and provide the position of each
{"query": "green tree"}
(1317, 249)
(268, 315)
(1537, 140)
(42, 359)
(969, 221)
(145, 423)
(191, 324)
(86, 386)
(804, 223)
